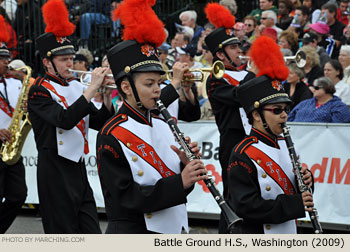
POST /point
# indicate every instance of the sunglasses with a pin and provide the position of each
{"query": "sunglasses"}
(278, 110)
(264, 18)
(317, 87)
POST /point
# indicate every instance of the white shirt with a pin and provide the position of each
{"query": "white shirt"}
(342, 90)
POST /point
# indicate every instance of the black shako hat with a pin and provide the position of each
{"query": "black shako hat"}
(50, 45)
(129, 56)
(219, 38)
(4, 51)
(262, 90)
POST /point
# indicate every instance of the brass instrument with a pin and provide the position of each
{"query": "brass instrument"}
(299, 57)
(10, 151)
(218, 70)
(84, 73)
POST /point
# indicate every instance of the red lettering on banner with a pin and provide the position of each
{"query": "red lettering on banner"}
(335, 170)
(214, 174)
(322, 170)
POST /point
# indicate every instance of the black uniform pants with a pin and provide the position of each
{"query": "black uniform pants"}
(13, 192)
(67, 204)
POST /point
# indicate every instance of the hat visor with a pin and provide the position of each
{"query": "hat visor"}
(231, 41)
(278, 100)
(150, 68)
(5, 53)
(64, 52)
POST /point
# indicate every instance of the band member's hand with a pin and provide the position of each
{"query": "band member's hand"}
(182, 155)
(193, 172)
(5, 135)
(25, 106)
(179, 70)
(194, 147)
(307, 178)
(307, 201)
(98, 76)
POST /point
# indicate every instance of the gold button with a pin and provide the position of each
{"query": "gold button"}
(59, 100)
(60, 142)
(149, 215)
(256, 104)
(134, 158)
(128, 145)
(268, 227)
(264, 175)
(140, 173)
(127, 69)
(268, 188)
(258, 161)
(123, 116)
(60, 131)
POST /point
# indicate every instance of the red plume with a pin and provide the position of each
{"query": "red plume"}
(219, 16)
(56, 18)
(4, 36)
(140, 22)
(266, 55)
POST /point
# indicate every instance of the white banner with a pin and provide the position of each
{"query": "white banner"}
(324, 149)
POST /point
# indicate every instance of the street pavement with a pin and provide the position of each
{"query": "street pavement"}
(29, 222)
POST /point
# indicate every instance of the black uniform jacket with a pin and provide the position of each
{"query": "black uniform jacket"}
(46, 114)
(245, 194)
(225, 105)
(125, 200)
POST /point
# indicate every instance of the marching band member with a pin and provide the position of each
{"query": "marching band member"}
(262, 185)
(144, 177)
(13, 189)
(61, 112)
(222, 92)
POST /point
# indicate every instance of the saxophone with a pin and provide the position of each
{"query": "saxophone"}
(10, 151)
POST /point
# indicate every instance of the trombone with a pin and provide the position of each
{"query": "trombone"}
(299, 58)
(83, 75)
(218, 70)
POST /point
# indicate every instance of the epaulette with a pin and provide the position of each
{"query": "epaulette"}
(8, 76)
(112, 123)
(38, 81)
(239, 148)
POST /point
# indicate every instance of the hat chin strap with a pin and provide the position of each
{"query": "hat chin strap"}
(133, 87)
(229, 59)
(56, 72)
(266, 126)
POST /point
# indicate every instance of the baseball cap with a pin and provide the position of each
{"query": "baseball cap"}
(189, 50)
(185, 29)
(320, 27)
(17, 63)
(309, 37)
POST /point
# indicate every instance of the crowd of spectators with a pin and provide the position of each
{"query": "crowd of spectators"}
(320, 29)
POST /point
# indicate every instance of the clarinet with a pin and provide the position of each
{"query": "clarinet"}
(234, 222)
(301, 185)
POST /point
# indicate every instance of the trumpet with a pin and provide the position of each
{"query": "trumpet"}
(84, 73)
(299, 58)
(218, 70)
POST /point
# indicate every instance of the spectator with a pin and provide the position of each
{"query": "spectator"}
(335, 27)
(323, 107)
(189, 18)
(10, 6)
(99, 13)
(301, 21)
(264, 5)
(289, 39)
(269, 19)
(208, 28)
(180, 40)
(284, 19)
(312, 67)
(29, 25)
(342, 14)
(344, 59)
(229, 4)
(240, 32)
(334, 71)
(311, 39)
(346, 36)
(82, 61)
(324, 39)
(250, 24)
(295, 87)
